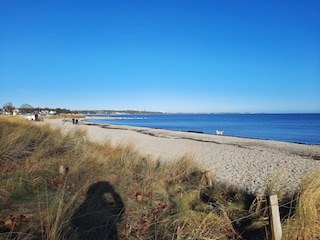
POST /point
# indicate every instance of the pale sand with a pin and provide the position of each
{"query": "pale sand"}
(249, 164)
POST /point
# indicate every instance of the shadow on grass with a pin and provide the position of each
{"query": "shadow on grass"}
(243, 210)
(97, 216)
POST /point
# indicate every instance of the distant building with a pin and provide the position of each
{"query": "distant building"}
(15, 112)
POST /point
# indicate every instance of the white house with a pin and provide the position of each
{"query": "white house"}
(15, 112)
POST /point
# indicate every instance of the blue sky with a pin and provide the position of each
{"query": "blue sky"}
(173, 56)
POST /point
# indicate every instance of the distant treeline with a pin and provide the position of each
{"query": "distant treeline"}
(9, 108)
(116, 112)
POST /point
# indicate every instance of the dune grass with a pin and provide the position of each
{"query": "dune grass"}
(305, 222)
(56, 186)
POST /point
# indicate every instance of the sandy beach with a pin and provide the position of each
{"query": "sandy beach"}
(249, 164)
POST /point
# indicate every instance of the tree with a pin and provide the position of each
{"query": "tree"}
(63, 110)
(26, 108)
(8, 107)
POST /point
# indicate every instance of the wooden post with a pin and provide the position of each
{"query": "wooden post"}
(179, 233)
(208, 178)
(62, 170)
(275, 224)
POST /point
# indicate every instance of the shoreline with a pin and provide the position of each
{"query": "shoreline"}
(127, 127)
(91, 120)
(149, 131)
(249, 164)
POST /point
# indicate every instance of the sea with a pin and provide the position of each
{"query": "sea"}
(296, 128)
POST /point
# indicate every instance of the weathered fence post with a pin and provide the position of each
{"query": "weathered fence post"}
(62, 170)
(275, 224)
(208, 178)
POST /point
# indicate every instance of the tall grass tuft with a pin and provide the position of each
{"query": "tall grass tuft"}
(305, 223)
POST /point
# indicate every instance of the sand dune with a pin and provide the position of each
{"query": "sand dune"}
(246, 163)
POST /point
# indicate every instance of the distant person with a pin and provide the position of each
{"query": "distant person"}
(73, 120)
(77, 121)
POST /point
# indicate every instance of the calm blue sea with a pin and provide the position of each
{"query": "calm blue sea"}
(298, 128)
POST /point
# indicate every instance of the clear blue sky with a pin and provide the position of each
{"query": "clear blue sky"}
(175, 56)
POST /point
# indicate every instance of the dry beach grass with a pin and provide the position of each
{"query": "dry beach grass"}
(150, 184)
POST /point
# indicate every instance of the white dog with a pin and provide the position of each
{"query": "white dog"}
(219, 132)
